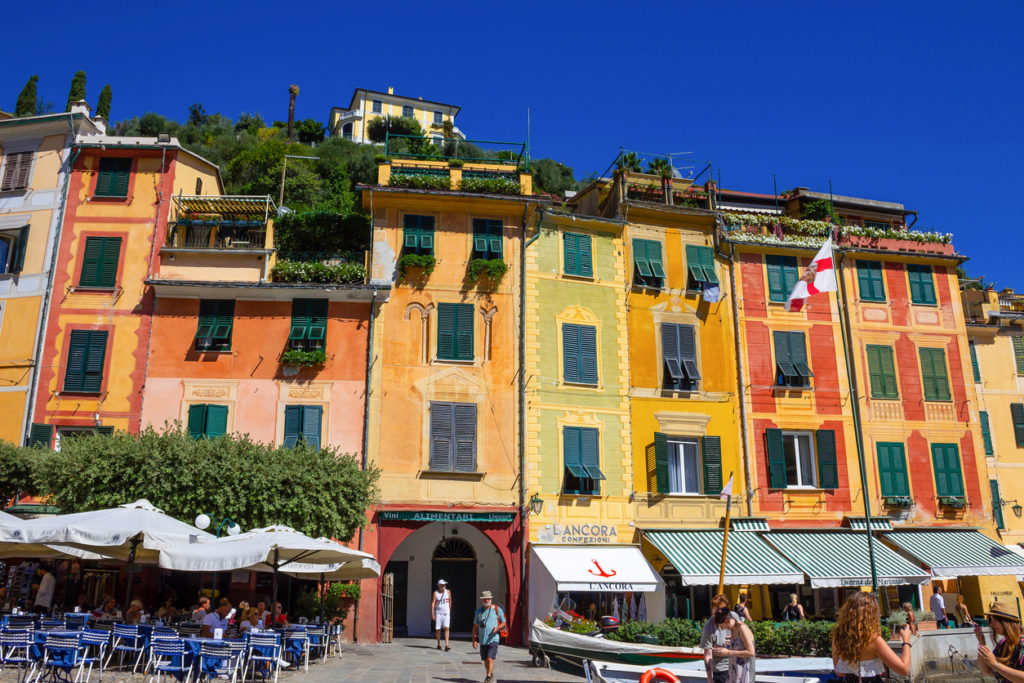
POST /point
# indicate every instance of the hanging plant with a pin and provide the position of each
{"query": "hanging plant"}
(304, 358)
(425, 263)
(492, 269)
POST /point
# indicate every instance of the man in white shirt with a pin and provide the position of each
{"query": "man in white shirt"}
(938, 606)
(44, 596)
(216, 619)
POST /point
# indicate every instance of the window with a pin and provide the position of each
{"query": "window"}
(876, 225)
(582, 460)
(216, 319)
(679, 354)
(922, 288)
(453, 437)
(199, 186)
(1018, 353)
(455, 331)
(647, 268)
(578, 259)
(869, 276)
(438, 117)
(974, 360)
(997, 504)
(802, 459)
(377, 107)
(882, 372)
(302, 423)
(418, 234)
(207, 420)
(12, 250)
(408, 112)
(346, 131)
(986, 432)
(86, 352)
(113, 177)
(1017, 415)
(487, 238)
(687, 465)
(933, 374)
(946, 463)
(17, 168)
(99, 262)
(700, 266)
(791, 369)
(579, 354)
(309, 324)
(40, 434)
(782, 276)
(69, 433)
(892, 470)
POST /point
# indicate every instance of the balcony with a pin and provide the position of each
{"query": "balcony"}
(1011, 305)
(648, 187)
(218, 234)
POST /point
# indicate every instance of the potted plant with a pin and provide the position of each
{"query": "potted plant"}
(486, 271)
(416, 268)
(293, 360)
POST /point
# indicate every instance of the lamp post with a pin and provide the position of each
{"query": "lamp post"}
(203, 521)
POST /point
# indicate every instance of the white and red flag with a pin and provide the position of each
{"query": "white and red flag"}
(727, 489)
(820, 276)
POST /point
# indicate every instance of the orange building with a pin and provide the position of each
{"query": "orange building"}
(99, 323)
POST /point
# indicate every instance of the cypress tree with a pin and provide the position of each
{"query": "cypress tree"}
(77, 91)
(103, 105)
(26, 105)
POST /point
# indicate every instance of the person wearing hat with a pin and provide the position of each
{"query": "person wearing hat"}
(1005, 661)
(488, 623)
(441, 612)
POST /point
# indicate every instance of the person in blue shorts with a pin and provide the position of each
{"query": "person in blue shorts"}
(488, 623)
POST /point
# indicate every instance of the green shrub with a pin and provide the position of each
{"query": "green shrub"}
(304, 358)
(794, 638)
(493, 269)
(332, 273)
(321, 231)
(456, 163)
(583, 626)
(490, 185)
(421, 182)
(424, 262)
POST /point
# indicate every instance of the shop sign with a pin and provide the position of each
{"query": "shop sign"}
(431, 516)
(867, 582)
(579, 534)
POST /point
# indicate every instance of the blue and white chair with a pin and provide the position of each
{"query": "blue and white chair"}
(127, 639)
(168, 656)
(263, 655)
(318, 640)
(16, 649)
(62, 651)
(76, 621)
(94, 647)
(219, 658)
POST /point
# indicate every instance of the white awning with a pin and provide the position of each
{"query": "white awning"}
(599, 569)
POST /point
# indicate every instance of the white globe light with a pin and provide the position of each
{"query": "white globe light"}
(234, 530)
(203, 521)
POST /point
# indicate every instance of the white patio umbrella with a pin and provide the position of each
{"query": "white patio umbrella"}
(349, 571)
(41, 551)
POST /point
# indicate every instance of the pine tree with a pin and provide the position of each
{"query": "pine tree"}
(77, 91)
(26, 105)
(103, 105)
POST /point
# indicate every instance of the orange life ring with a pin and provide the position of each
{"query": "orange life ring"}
(658, 674)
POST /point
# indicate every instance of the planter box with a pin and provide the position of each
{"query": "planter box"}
(889, 244)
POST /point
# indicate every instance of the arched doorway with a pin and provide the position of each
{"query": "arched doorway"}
(454, 560)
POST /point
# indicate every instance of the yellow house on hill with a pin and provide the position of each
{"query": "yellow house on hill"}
(350, 122)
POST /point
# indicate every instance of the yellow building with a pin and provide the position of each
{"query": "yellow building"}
(350, 123)
(35, 159)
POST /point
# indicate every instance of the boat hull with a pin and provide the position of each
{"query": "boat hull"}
(573, 646)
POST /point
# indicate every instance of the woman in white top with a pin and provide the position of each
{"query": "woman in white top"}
(859, 653)
(441, 612)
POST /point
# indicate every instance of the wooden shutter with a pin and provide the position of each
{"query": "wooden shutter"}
(588, 354)
(997, 504)
(670, 355)
(986, 433)
(828, 468)
(111, 252)
(790, 274)
(869, 277)
(292, 425)
(776, 458)
(11, 162)
(570, 352)
(590, 455)
(974, 361)
(892, 470)
(711, 452)
(95, 356)
(570, 253)
(933, 374)
(464, 332)
(123, 174)
(91, 256)
(441, 425)
(216, 420)
(707, 260)
(586, 260)
(465, 437)
(693, 263)
(446, 331)
(317, 335)
(776, 278)
(300, 322)
(946, 463)
(640, 260)
(1017, 415)
(1018, 353)
(20, 245)
(17, 168)
(197, 420)
(922, 288)
(74, 372)
(661, 462)
(40, 435)
(654, 258)
(882, 372)
(312, 419)
(688, 351)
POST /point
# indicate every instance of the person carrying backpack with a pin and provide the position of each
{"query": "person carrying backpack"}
(489, 626)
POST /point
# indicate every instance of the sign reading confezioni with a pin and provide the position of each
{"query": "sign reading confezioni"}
(431, 516)
(580, 534)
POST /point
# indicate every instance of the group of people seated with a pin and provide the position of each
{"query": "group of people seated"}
(224, 616)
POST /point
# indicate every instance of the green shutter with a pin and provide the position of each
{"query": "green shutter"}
(997, 504)
(108, 264)
(828, 468)
(18, 261)
(882, 372)
(40, 435)
(464, 331)
(588, 354)
(99, 262)
(986, 433)
(572, 454)
(487, 238)
(640, 260)
(570, 253)
(590, 456)
(86, 355)
(308, 325)
(922, 285)
(312, 420)
(661, 462)
(113, 178)
(446, 331)
(693, 263)
(585, 258)
(455, 331)
(1018, 353)
(292, 425)
(946, 463)
(465, 437)
(105, 430)
(197, 420)
(1017, 414)
(317, 335)
(933, 374)
(892, 469)
(441, 435)
(776, 458)
(711, 452)
(776, 280)
(974, 361)
(869, 278)
(418, 234)
(216, 421)
(570, 352)
(707, 261)
(654, 258)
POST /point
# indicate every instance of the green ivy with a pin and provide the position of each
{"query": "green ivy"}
(304, 358)
(327, 273)
(421, 182)
(493, 269)
(490, 185)
(423, 262)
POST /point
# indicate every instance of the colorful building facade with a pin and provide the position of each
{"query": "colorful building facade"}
(366, 105)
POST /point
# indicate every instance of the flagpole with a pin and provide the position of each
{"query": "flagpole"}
(725, 539)
(845, 333)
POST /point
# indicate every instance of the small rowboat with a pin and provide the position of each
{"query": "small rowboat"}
(775, 670)
(546, 642)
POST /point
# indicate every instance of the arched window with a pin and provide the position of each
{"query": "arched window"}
(454, 549)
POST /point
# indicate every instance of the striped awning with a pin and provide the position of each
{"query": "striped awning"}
(697, 556)
(748, 524)
(226, 205)
(877, 523)
(840, 558)
(958, 553)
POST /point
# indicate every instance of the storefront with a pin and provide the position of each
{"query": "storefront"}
(594, 581)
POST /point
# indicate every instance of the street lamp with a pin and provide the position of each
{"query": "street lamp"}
(537, 504)
(203, 521)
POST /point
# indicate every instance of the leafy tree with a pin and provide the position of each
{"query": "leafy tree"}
(628, 161)
(26, 105)
(318, 492)
(321, 232)
(817, 210)
(103, 105)
(196, 114)
(16, 465)
(552, 177)
(77, 90)
(660, 166)
(309, 131)
(251, 123)
(378, 129)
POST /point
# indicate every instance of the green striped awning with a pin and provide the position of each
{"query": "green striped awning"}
(697, 556)
(748, 524)
(840, 558)
(958, 553)
(877, 523)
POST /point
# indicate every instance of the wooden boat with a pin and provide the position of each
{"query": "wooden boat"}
(775, 670)
(546, 642)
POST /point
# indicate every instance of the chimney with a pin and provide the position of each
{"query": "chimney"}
(391, 91)
(100, 124)
(80, 107)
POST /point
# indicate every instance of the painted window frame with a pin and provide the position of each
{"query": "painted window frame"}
(648, 266)
(215, 325)
(89, 381)
(700, 267)
(792, 371)
(302, 416)
(108, 259)
(916, 275)
(871, 280)
(307, 330)
(207, 420)
(577, 255)
(417, 235)
(109, 180)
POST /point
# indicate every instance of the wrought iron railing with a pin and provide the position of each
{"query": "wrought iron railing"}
(1011, 303)
(200, 234)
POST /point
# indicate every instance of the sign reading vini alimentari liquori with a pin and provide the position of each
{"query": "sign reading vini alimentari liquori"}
(436, 516)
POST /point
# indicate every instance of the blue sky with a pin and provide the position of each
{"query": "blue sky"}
(919, 103)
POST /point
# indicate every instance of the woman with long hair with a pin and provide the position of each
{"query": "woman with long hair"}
(1006, 660)
(793, 611)
(859, 653)
(963, 615)
(739, 648)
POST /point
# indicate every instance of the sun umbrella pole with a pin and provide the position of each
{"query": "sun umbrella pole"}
(273, 600)
(323, 596)
(128, 572)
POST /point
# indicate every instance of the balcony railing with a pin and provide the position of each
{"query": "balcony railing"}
(230, 234)
(1012, 304)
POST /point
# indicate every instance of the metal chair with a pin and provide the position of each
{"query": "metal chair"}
(218, 659)
(127, 639)
(94, 646)
(167, 656)
(21, 622)
(318, 640)
(75, 621)
(263, 649)
(16, 648)
(52, 626)
(62, 651)
(334, 639)
(300, 636)
(189, 629)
